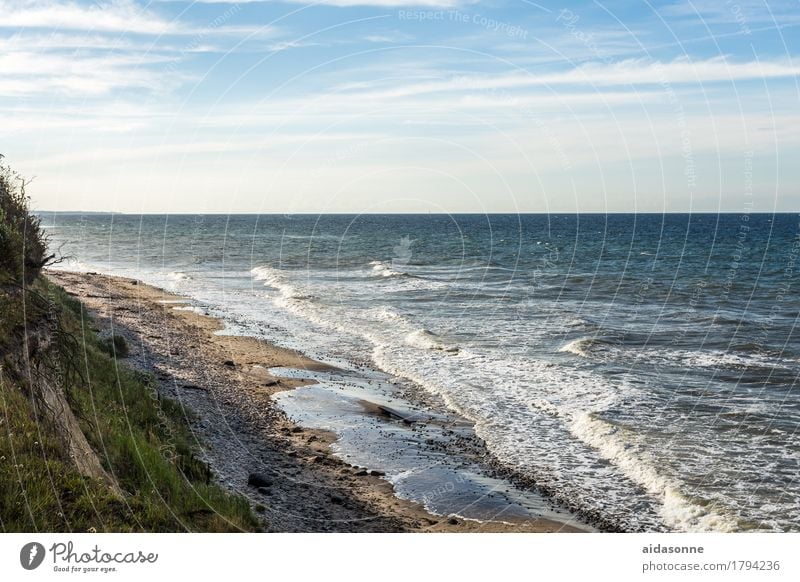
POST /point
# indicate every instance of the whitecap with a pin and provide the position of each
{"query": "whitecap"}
(427, 340)
(579, 347)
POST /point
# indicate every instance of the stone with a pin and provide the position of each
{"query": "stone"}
(259, 480)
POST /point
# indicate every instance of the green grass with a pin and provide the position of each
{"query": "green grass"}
(141, 439)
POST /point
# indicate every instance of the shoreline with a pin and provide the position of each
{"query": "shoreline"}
(224, 382)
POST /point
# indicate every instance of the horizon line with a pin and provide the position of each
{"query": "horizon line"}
(499, 213)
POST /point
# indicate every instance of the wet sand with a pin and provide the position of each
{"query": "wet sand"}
(226, 384)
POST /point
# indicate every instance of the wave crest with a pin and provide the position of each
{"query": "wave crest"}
(579, 347)
(383, 269)
(427, 340)
(178, 276)
(273, 277)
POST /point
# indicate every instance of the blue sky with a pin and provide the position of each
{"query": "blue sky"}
(395, 106)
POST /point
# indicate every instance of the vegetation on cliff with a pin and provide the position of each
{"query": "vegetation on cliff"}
(86, 443)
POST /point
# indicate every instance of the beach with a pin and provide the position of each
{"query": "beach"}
(224, 382)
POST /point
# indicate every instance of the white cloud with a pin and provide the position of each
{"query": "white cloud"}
(46, 41)
(393, 37)
(111, 16)
(29, 73)
(627, 72)
(92, 50)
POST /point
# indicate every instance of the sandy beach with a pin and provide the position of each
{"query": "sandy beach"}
(224, 383)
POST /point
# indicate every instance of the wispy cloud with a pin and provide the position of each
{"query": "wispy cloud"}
(112, 16)
(31, 40)
(84, 50)
(392, 37)
(29, 73)
(628, 73)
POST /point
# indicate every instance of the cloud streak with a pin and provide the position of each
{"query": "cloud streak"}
(123, 17)
(624, 73)
(30, 73)
(116, 16)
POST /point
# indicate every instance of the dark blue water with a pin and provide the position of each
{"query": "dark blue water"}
(640, 366)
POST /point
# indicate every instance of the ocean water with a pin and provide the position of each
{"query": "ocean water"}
(640, 370)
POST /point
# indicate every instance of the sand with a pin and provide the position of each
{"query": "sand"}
(224, 381)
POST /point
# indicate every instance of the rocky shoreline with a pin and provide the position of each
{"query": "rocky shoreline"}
(287, 472)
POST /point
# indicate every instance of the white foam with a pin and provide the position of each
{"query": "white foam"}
(381, 269)
(700, 358)
(541, 419)
(722, 359)
(192, 309)
(277, 279)
(178, 276)
(678, 512)
(73, 264)
(388, 313)
(427, 340)
(579, 347)
(269, 275)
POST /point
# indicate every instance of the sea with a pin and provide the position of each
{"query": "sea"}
(632, 372)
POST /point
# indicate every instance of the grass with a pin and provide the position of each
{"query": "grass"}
(141, 439)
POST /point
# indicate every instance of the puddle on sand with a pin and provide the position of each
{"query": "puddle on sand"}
(429, 457)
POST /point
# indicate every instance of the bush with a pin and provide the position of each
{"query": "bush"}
(115, 346)
(23, 245)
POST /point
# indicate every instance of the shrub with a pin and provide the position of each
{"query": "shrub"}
(23, 246)
(115, 346)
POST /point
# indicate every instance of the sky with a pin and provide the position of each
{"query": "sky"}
(394, 106)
